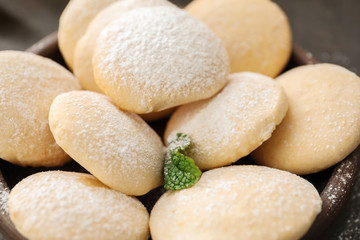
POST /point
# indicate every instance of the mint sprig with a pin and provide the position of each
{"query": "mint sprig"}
(180, 171)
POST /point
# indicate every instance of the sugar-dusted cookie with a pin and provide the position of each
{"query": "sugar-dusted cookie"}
(73, 24)
(256, 33)
(117, 147)
(151, 59)
(28, 85)
(234, 122)
(67, 205)
(85, 46)
(322, 125)
(247, 202)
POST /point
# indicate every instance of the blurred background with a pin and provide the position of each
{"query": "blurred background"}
(329, 29)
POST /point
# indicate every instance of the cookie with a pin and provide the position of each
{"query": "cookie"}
(68, 205)
(73, 23)
(117, 147)
(255, 33)
(233, 123)
(85, 46)
(252, 202)
(28, 85)
(151, 59)
(322, 125)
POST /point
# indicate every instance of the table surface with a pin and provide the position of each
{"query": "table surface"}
(327, 28)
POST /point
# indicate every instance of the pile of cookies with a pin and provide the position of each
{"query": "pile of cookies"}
(213, 65)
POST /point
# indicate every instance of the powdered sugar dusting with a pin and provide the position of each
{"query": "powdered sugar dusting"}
(162, 59)
(334, 192)
(117, 147)
(4, 197)
(73, 23)
(352, 225)
(249, 201)
(322, 125)
(234, 122)
(28, 85)
(85, 46)
(256, 33)
(175, 142)
(63, 205)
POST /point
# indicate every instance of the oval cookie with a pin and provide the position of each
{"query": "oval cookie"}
(68, 205)
(233, 123)
(28, 85)
(85, 46)
(322, 125)
(250, 202)
(151, 59)
(73, 23)
(255, 33)
(117, 147)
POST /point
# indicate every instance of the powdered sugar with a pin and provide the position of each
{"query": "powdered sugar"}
(4, 197)
(64, 205)
(352, 225)
(161, 57)
(117, 147)
(255, 33)
(321, 126)
(73, 23)
(249, 201)
(334, 192)
(176, 142)
(28, 84)
(85, 46)
(234, 122)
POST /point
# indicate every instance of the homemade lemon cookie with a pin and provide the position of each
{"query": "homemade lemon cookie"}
(322, 125)
(28, 85)
(253, 202)
(117, 147)
(85, 46)
(151, 59)
(255, 33)
(233, 123)
(73, 23)
(68, 205)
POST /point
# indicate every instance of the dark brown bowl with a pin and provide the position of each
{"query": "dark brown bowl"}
(334, 184)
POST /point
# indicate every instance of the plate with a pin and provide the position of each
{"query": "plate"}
(334, 184)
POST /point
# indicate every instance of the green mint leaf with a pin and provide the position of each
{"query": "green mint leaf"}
(180, 171)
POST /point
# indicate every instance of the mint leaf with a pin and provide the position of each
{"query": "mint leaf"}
(180, 171)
